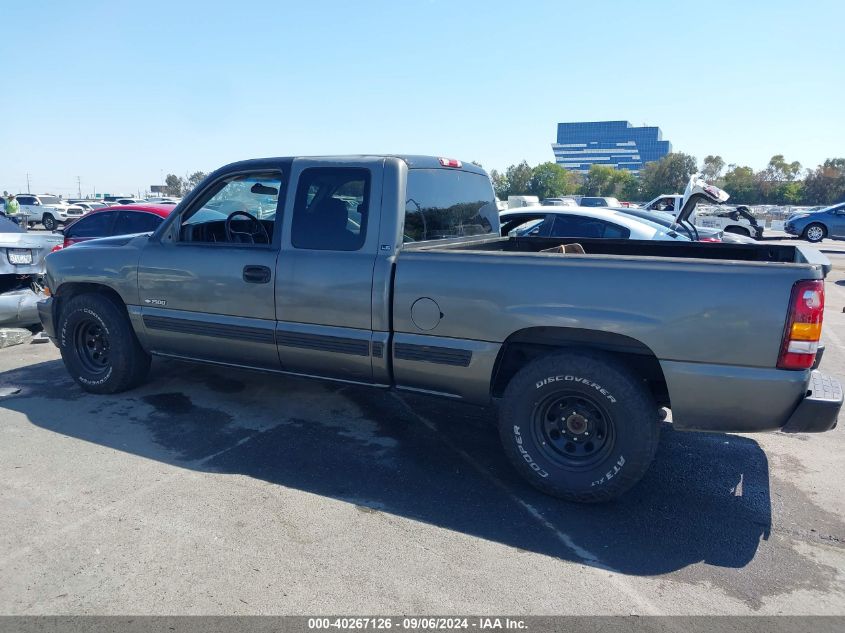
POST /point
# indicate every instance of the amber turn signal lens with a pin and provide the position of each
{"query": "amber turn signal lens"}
(806, 331)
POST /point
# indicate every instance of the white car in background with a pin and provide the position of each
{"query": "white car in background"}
(582, 222)
(48, 209)
(88, 205)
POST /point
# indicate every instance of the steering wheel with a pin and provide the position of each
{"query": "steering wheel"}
(250, 235)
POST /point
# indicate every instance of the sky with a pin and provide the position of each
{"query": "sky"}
(119, 93)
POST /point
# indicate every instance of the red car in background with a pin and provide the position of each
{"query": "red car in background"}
(120, 220)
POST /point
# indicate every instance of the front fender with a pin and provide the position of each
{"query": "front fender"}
(109, 262)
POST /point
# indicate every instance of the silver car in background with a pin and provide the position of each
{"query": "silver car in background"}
(582, 222)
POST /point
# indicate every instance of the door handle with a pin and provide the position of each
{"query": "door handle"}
(257, 274)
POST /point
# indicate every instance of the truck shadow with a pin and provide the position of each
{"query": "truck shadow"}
(705, 499)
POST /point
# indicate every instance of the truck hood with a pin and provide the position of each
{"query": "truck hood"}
(699, 191)
(117, 240)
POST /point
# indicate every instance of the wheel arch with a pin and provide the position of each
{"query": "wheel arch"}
(819, 223)
(526, 345)
(68, 290)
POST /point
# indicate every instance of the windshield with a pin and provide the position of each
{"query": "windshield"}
(49, 200)
(529, 228)
(832, 207)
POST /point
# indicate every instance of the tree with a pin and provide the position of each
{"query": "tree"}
(790, 192)
(770, 181)
(668, 175)
(778, 170)
(173, 185)
(519, 179)
(739, 182)
(193, 180)
(630, 188)
(599, 181)
(712, 167)
(826, 183)
(550, 180)
(500, 184)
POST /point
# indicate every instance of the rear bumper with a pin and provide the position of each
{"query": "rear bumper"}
(45, 313)
(819, 410)
(732, 399)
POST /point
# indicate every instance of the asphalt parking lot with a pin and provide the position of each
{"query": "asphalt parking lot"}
(215, 491)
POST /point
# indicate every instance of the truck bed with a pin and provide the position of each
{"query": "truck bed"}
(759, 253)
(703, 312)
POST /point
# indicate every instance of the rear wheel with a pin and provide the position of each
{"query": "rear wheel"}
(579, 426)
(815, 233)
(48, 221)
(98, 346)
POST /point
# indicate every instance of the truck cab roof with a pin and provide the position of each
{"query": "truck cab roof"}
(414, 161)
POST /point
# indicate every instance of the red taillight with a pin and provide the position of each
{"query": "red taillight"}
(450, 162)
(803, 325)
(57, 247)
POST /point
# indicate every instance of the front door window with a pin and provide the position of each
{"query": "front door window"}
(238, 210)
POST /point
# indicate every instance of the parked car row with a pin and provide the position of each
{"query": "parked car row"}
(609, 222)
(52, 211)
(119, 220)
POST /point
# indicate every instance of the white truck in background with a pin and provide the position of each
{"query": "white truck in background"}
(739, 221)
(515, 202)
(47, 209)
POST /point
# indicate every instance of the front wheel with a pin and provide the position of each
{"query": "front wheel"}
(815, 233)
(98, 345)
(48, 221)
(579, 426)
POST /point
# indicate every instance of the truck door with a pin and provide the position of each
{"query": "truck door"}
(325, 272)
(206, 282)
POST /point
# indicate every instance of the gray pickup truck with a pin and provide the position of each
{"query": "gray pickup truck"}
(389, 271)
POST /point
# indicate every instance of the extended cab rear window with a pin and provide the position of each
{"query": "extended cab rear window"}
(444, 203)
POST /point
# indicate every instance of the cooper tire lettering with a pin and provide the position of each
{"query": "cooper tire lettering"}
(526, 455)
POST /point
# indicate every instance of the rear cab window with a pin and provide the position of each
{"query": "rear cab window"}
(448, 203)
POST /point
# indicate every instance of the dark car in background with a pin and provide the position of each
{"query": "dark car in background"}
(119, 220)
(816, 225)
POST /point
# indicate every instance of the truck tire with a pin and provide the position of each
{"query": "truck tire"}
(815, 232)
(98, 345)
(579, 426)
(48, 222)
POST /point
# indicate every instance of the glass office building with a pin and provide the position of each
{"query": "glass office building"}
(614, 143)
